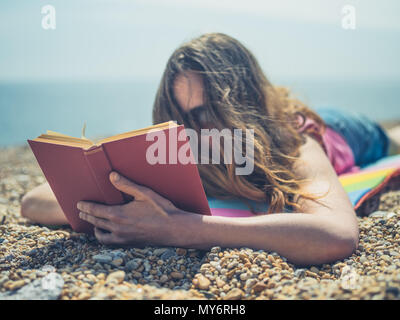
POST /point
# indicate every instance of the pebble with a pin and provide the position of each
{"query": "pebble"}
(116, 277)
(13, 285)
(363, 259)
(244, 276)
(132, 265)
(117, 262)
(102, 258)
(314, 269)
(176, 275)
(299, 273)
(234, 294)
(202, 282)
(159, 251)
(259, 286)
(168, 254)
(181, 251)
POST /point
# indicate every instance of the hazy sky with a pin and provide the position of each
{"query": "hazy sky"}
(133, 39)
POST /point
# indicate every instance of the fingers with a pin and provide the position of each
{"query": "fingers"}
(96, 209)
(107, 238)
(97, 222)
(129, 187)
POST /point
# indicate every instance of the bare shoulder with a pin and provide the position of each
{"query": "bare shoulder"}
(314, 166)
(313, 161)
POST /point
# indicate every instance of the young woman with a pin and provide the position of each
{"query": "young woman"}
(215, 82)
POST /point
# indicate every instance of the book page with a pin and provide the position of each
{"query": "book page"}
(59, 138)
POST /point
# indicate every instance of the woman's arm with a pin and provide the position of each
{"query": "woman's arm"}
(318, 234)
(315, 235)
(41, 206)
(302, 238)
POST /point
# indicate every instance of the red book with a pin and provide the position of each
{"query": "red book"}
(77, 169)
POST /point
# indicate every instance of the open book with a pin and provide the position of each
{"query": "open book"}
(78, 169)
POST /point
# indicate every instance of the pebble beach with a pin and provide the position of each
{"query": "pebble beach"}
(42, 262)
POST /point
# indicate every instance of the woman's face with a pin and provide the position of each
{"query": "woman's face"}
(188, 91)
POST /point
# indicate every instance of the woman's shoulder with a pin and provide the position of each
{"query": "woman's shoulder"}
(311, 159)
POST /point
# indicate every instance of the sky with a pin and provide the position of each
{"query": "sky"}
(122, 39)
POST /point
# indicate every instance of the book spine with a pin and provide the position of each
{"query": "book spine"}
(101, 168)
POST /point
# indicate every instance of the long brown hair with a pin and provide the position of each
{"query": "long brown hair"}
(237, 95)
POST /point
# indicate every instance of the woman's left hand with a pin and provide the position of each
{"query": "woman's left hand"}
(147, 220)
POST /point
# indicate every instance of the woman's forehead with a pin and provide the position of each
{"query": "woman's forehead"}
(188, 90)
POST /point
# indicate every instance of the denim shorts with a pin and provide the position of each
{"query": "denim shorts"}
(365, 137)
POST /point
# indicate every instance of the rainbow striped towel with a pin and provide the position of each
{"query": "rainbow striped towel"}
(360, 186)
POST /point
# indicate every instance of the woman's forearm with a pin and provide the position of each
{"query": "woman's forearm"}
(40, 205)
(301, 238)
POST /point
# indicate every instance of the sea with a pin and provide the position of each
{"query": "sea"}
(28, 109)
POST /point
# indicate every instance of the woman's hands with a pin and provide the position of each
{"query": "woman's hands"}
(147, 220)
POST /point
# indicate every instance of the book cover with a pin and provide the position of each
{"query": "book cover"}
(77, 173)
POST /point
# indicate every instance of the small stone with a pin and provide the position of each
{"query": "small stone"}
(363, 259)
(314, 269)
(219, 282)
(117, 262)
(300, 273)
(132, 265)
(250, 283)
(393, 253)
(14, 285)
(233, 264)
(176, 275)
(379, 214)
(259, 286)
(181, 251)
(271, 258)
(117, 254)
(159, 251)
(147, 266)
(163, 278)
(116, 277)
(84, 296)
(234, 294)
(244, 276)
(102, 258)
(168, 254)
(203, 282)
(215, 249)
